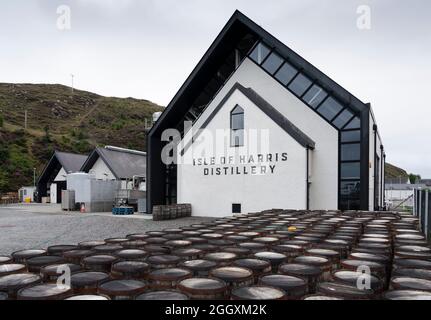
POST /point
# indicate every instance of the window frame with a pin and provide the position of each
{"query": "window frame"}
(233, 112)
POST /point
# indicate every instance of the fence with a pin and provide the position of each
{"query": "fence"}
(422, 210)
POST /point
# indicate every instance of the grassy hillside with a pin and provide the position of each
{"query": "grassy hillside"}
(59, 119)
(394, 172)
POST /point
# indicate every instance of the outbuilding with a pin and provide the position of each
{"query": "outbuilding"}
(53, 178)
(256, 126)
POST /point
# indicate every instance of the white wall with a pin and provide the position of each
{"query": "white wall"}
(101, 170)
(324, 187)
(373, 164)
(212, 195)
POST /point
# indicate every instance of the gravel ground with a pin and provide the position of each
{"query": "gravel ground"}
(40, 226)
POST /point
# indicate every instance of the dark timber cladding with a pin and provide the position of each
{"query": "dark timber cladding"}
(242, 34)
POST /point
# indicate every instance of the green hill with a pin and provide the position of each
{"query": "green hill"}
(392, 171)
(59, 119)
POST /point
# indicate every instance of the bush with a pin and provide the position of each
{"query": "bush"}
(1, 121)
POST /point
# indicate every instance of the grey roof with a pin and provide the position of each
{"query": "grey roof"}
(268, 109)
(123, 163)
(426, 182)
(404, 186)
(70, 162)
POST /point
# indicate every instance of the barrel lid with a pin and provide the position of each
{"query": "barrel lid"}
(57, 269)
(108, 248)
(258, 293)
(273, 257)
(350, 263)
(221, 242)
(409, 237)
(156, 240)
(199, 265)
(137, 236)
(3, 296)
(414, 273)
(284, 282)
(173, 236)
(78, 253)
(407, 295)
(89, 297)
(312, 260)
(18, 280)
(196, 240)
(50, 291)
(99, 259)
(131, 254)
(337, 242)
(131, 266)
(221, 256)
(84, 279)
(321, 297)
(59, 249)
(156, 233)
(44, 261)
(236, 238)
(162, 295)
(409, 283)
(178, 243)
(6, 269)
(163, 259)
(266, 240)
(27, 254)
(237, 250)
(187, 252)
(297, 269)
(249, 234)
(375, 235)
(5, 259)
(288, 248)
(91, 244)
(191, 233)
(343, 290)
(351, 278)
(204, 286)
(253, 264)
(413, 263)
(170, 274)
(370, 257)
(231, 274)
(212, 236)
(122, 287)
(173, 230)
(323, 252)
(374, 240)
(419, 249)
(116, 240)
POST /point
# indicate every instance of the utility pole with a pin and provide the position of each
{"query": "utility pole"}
(72, 75)
(25, 119)
(34, 177)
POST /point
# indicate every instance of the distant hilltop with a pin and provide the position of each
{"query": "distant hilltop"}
(59, 119)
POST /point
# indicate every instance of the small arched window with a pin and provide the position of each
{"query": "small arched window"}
(237, 127)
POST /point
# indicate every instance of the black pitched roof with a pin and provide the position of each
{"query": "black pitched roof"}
(267, 108)
(239, 23)
(123, 163)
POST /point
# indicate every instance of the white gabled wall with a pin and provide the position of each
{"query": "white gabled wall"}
(324, 171)
(372, 165)
(213, 195)
(61, 176)
(101, 170)
(324, 168)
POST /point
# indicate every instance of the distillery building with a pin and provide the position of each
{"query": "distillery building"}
(255, 126)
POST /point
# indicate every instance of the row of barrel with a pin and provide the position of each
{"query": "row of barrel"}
(274, 254)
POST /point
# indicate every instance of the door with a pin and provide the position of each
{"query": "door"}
(53, 192)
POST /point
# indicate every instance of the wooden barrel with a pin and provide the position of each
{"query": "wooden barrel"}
(51, 273)
(88, 245)
(311, 274)
(199, 267)
(352, 278)
(23, 255)
(37, 263)
(48, 291)
(409, 283)
(407, 295)
(344, 291)
(188, 253)
(87, 282)
(12, 283)
(130, 270)
(58, 250)
(100, 263)
(131, 254)
(168, 278)
(107, 248)
(294, 287)
(134, 244)
(258, 293)
(203, 288)
(89, 297)
(163, 261)
(162, 295)
(6, 269)
(323, 264)
(5, 260)
(257, 266)
(76, 256)
(274, 258)
(234, 276)
(122, 289)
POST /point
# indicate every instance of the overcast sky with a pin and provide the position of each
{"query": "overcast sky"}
(147, 48)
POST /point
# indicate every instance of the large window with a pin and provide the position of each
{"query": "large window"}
(237, 127)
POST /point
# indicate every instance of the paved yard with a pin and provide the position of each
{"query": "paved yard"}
(40, 226)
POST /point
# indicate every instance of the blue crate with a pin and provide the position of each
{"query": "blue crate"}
(123, 211)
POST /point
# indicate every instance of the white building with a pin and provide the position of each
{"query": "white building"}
(401, 195)
(278, 133)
